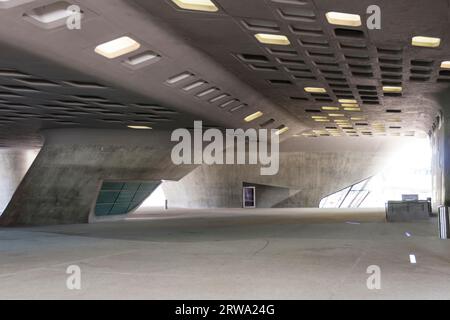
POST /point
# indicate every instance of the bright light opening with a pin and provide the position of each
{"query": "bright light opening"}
(427, 42)
(445, 65)
(156, 200)
(409, 172)
(254, 116)
(140, 127)
(315, 90)
(281, 130)
(117, 47)
(275, 39)
(197, 5)
(344, 19)
(388, 89)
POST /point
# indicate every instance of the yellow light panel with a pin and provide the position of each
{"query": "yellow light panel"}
(344, 19)
(275, 39)
(352, 109)
(315, 90)
(197, 5)
(426, 42)
(330, 108)
(140, 127)
(253, 116)
(394, 120)
(336, 115)
(281, 131)
(348, 101)
(389, 89)
(445, 65)
(117, 47)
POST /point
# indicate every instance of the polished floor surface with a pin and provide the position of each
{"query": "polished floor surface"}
(228, 254)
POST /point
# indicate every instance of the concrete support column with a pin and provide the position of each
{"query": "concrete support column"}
(441, 162)
(62, 185)
(14, 164)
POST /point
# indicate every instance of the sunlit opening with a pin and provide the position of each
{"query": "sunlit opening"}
(409, 173)
(156, 200)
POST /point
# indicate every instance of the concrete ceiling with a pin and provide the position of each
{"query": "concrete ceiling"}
(52, 78)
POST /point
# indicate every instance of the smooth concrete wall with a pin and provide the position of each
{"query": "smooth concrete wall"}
(266, 195)
(309, 177)
(63, 183)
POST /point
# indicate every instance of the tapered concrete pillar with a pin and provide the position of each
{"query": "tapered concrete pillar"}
(63, 183)
(14, 164)
(440, 138)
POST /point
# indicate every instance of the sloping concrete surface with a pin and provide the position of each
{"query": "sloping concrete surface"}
(229, 256)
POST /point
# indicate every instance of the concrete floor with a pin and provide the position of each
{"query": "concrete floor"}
(227, 254)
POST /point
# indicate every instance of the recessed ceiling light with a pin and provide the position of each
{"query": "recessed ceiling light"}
(281, 130)
(347, 101)
(344, 19)
(358, 119)
(352, 109)
(197, 5)
(330, 108)
(253, 116)
(318, 117)
(394, 120)
(445, 65)
(322, 120)
(350, 105)
(117, 47)
(426, 42)
(336, 115)
(389, 89)
(315, 90)
(275, 39)
(140, 127)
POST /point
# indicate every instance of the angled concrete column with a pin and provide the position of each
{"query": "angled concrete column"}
(440, 138)
(14, 164)
(62, 185)
(439, 164)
